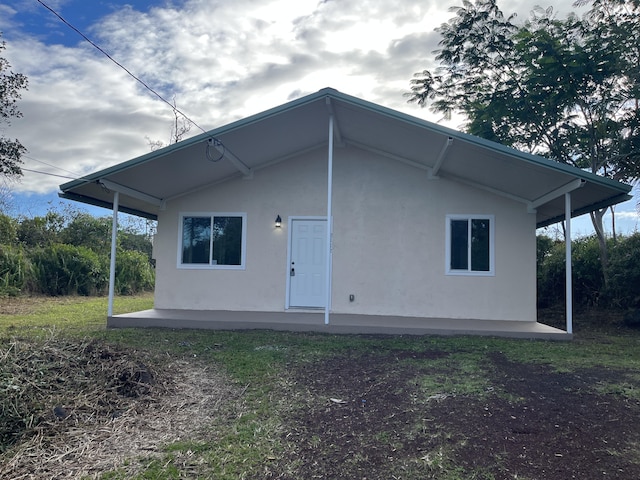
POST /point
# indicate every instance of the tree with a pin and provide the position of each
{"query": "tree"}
(40, 231)
(6, 199)
(85, 230)
(566, 89)
(8, 230)
(10, 85)
(180, 126)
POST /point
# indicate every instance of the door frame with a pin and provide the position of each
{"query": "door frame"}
(291, 219)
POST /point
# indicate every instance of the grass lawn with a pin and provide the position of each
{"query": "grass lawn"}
(81, 401)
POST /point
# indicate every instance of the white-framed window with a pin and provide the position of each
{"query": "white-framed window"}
(470, 245)
(212, 240)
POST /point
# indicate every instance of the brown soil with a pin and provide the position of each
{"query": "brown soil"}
(357, 416)
(532, 423)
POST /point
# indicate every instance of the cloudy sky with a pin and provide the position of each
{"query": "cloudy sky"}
(220, 60)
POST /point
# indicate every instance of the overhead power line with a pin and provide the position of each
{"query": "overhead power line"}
(48, 173)
(51, 165)
(173, 107)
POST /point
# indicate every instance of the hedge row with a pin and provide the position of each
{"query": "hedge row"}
(621, 291)
(68, 254)
(61, 269)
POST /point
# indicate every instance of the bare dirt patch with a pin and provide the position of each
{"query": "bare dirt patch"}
(554, 426)
(366, 416)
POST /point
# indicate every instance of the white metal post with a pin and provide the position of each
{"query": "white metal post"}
(568, 281)
(112, 264)
(329, 222)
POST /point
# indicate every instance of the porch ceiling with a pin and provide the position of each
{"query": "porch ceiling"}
(146, 182)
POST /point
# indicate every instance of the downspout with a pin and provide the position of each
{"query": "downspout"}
(329, 221)
(112, 264)
(568, 281)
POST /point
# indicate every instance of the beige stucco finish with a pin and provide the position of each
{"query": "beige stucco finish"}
(388, 245)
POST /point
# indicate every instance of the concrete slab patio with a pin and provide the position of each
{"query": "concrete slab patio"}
(313, 321)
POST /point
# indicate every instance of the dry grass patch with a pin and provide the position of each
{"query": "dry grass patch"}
(77, 409)
(28, 305)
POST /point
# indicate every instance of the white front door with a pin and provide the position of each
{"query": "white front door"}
(307, 271)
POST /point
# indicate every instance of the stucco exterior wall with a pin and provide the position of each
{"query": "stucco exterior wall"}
(388, 244)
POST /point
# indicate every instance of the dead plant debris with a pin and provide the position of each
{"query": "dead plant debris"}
(77, 408)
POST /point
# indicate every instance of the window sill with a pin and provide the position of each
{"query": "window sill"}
(210, 267)
(470, 274)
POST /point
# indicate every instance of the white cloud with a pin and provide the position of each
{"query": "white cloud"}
(6, 15)
(628, 215)
(222, 59)
(79, 113)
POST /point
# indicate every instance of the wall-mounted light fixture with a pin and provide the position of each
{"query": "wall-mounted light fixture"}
(278, 222)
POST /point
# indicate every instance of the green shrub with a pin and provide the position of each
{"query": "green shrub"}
(14, 268)
(8, 230)
(551, 273)
(133, 272)
(623, 290)
(66, 270)
(632, 319)
(88, 231)
(40, 231)
(588, 278)
(138, 242)
(68, 253)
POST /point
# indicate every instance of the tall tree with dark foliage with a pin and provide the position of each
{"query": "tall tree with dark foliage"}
(564, 88)
(10, 86)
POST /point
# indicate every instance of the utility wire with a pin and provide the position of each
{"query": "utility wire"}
(173, 107)
(51, 165)
(47, 173)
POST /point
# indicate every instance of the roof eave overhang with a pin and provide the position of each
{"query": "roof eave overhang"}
(96, 177)
(617, 192)
(588, 209)
(109, 205)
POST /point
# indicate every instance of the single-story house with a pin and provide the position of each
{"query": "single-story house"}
(331, 213)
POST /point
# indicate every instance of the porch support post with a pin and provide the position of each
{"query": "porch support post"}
(329, 220)
(112, 264)
(568, 281)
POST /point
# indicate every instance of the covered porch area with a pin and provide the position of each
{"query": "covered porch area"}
(144, 186)
(314, 321)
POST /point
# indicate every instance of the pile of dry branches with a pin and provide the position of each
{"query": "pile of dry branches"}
(51, 383)
(72, 408)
